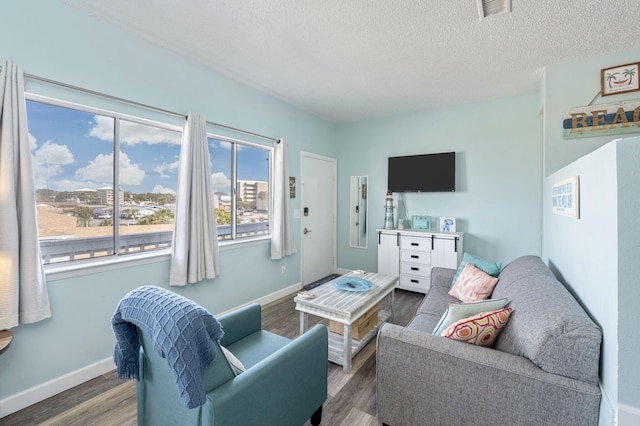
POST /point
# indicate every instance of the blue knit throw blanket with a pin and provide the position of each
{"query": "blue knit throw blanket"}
(181, 330)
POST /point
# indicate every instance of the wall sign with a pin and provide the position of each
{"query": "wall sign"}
(565, 197)
(602, 120)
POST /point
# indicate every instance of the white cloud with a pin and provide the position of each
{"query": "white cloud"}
(101, 170)
(48, 161)
(132, 133)
(75, 185)
(220, 181)
(159, 189)
(102, 128)
(163, 168)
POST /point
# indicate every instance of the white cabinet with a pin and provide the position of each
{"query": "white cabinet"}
(388, 253)
(410, 254)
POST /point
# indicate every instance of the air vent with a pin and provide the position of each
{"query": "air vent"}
(493, 7)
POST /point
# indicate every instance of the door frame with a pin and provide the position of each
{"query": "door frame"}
(334, 231)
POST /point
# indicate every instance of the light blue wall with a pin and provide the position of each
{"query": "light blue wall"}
(53, 41)
(628, 288)
(498, 178)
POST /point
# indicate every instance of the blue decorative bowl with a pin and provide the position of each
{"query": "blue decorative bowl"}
(352, 284)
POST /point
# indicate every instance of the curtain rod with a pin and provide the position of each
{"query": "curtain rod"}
(141, 105)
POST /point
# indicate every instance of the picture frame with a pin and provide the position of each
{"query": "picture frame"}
(420, 222)
(620, 79)
(565, 197)
(447, 224)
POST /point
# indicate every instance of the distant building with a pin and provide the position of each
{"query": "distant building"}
(255, 194)
(105, 195)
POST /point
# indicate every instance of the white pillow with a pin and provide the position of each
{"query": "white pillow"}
(235, 363)
(458, 311)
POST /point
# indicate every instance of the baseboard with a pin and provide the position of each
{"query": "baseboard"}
(628, 415)
(272, 297)
(53, 387)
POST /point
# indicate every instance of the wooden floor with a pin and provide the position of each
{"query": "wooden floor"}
(108, 401)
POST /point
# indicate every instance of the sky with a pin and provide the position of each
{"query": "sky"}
(73, 150)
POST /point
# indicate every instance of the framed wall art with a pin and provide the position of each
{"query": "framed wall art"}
(619, 79)
(565, 197)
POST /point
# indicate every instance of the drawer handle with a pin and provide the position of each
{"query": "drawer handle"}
(415, 269)
(415, 256)
(415, 244)
(415, 281)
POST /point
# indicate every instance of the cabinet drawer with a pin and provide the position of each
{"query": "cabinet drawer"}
(418, 269)
(420, 257)
(415, 283)
(415, 244)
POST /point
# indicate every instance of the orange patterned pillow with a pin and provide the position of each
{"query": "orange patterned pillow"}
(481, 329)
(473, 284)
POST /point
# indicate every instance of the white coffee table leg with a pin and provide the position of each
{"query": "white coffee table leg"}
(303, 322)
(347, 348)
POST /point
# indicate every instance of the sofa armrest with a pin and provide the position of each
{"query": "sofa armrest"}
(240, 323)
(284, 388)
(442, 276)
(422, 377)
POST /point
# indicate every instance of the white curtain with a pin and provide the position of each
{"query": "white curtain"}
(23, 285)
(194, 252)
(282, 243)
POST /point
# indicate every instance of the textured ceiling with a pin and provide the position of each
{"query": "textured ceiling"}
(348, 60)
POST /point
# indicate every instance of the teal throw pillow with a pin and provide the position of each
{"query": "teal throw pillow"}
(491, 268)
(458, 311)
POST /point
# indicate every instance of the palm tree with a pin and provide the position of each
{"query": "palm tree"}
(611, 77)
(629, 72)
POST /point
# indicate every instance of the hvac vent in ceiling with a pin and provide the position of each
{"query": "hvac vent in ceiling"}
(493, 7)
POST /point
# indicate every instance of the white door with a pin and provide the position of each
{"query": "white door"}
(318, 217)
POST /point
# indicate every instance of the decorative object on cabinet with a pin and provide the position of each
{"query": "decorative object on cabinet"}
(421, 222)
(411, 254)
(447, 224)
(565, 197)
(388, 211)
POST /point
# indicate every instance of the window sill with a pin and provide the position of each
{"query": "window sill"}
(77, 268)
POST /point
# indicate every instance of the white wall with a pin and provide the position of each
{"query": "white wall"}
(595, 256)
(583, 253)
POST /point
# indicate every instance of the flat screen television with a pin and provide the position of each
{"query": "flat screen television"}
(422, 173)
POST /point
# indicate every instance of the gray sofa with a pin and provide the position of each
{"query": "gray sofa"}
(542, 370)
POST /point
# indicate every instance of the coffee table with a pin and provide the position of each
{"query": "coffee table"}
(346, 307)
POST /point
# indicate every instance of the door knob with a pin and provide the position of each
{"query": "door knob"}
(306, 231)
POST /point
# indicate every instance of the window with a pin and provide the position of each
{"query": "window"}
(102, 181)
(240, 180)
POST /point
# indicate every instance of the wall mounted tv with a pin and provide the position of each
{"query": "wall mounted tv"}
(422, 173)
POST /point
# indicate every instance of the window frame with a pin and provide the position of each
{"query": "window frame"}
(234, 187)
(81, 267)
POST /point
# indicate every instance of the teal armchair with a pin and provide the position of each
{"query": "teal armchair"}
(285, 381)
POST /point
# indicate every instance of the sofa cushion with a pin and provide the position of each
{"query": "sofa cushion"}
(548, 326)
(436, 301)
(473, 284)
(424, 322)
(491, 268)
(481, 329)
(458, 311)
